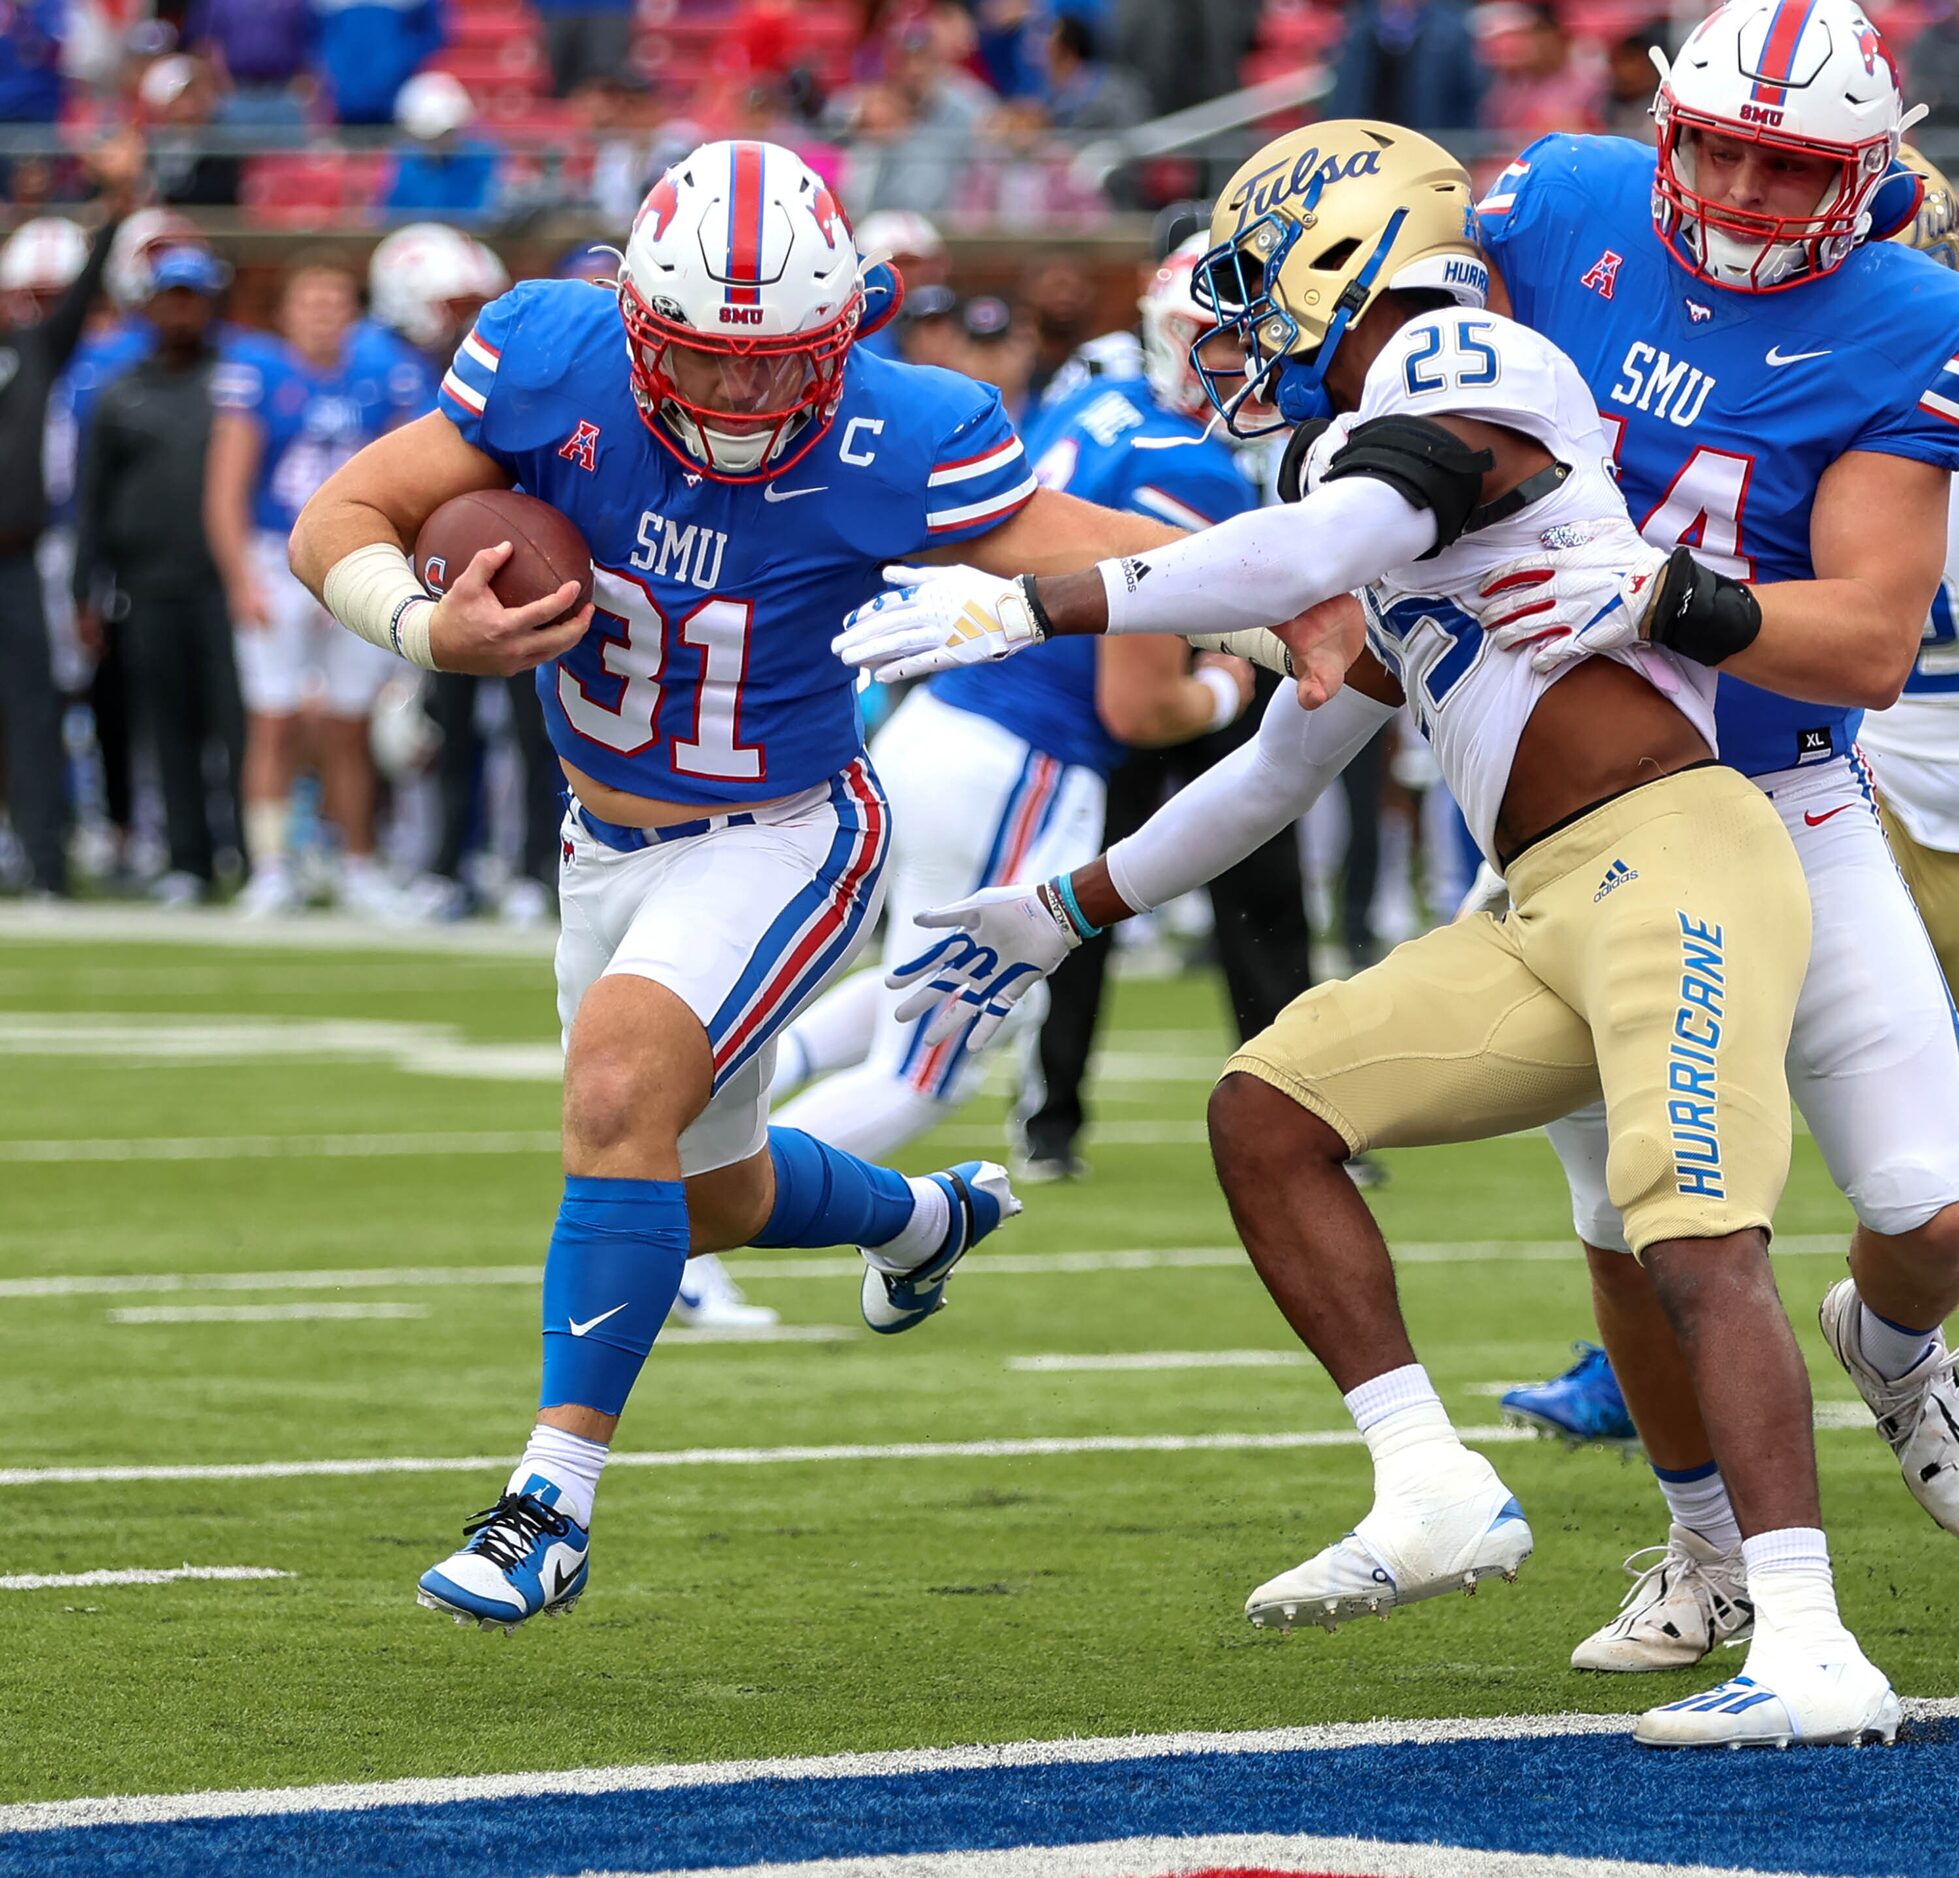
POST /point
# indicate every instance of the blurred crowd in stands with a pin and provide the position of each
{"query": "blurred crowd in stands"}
(306, 113)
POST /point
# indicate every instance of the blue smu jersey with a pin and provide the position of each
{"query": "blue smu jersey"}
(1726, 408)
(1107, 442)
(410, 375)
(707, 675)
(311, 419)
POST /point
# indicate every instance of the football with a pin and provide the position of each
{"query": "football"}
(547, 550)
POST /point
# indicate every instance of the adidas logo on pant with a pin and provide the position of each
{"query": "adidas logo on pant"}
(1615, 876)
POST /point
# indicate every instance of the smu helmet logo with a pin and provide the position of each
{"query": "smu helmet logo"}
(1870, 42)
(581, 447)
(1603, 274)
(830, 219)
(662, 200)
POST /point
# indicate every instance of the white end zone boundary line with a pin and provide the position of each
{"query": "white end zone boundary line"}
(250, 1803)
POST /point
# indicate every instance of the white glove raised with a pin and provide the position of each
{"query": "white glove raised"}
(1586, 596)
(933, 619)
(1007, 940)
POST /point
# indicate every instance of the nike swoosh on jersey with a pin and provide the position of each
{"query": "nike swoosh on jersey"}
(1817, 821)
(1778, 357)
(770, 493)
(592, 1323)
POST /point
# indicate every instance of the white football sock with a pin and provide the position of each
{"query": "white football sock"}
(833, 1034)
(569, 1462)
(866, 1111)
(1789, 1580)
(265, 831)
(1388, 1394)
(1701, 1504)
(931, 1217)
(1890, 1348)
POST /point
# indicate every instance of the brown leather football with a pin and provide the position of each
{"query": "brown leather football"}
(547, 550)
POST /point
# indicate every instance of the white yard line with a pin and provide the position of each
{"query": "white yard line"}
(255, 1313)
(766, 1268)
(1024, 1448)
(313, 932)
(286, 1147)
(1333, 1737)
(1165, 1359)
(87, 1581)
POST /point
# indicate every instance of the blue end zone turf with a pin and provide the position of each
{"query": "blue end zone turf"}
(1834, 1811)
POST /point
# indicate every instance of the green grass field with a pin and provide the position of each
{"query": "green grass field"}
(744, 1609)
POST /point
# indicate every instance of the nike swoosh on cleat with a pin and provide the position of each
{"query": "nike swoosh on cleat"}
(592, 1323)
(563, 1578)
(1778, 357)
(770, 493)
(1817, 821)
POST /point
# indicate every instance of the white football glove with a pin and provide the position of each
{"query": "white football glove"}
(1007, 942)
(1574, 599)
(933, 619)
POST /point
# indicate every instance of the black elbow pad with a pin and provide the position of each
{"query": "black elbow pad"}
(1432, 467)
(1292, 466)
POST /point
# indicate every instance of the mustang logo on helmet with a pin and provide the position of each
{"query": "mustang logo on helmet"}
(661, 202)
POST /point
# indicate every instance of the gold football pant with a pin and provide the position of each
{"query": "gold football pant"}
(1933, 877)
(1653, 951)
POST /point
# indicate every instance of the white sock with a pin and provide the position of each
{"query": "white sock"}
(833, 1034)
(930, 1221)
(1700, 1503)
(265, 832)
(1386, 1395)
(1789, 1581)
(569, 1462)
(1889, 1348)
(866, 1111)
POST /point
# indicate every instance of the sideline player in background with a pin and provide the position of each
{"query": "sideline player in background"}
(1001, 777)
(1783, 395)
(1660, 916)
(291, 411)
(741, 473)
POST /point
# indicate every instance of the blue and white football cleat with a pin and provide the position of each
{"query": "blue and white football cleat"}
(1583, 1405)
(523, 1557)
(1444, 1536)
(1789, 1696)
(982, 1199)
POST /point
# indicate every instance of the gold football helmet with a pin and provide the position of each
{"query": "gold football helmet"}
(1934, 230)
(1314, 229)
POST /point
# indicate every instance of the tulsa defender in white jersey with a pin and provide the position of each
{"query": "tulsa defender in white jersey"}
(1659, 931)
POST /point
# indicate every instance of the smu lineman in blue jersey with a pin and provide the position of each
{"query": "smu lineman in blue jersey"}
(741, 475)
(1800, 439)
(291, 410)
(1000, 777)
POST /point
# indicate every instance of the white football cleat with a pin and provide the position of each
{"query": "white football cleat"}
(1918, 1414)
(270, 893)
(1787, 1696)
(1690, 1598)
(710, 1300)
(1456, 1530)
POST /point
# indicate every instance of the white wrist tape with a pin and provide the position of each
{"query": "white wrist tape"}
(373, 592)
(1259, 644)
(1225, 700)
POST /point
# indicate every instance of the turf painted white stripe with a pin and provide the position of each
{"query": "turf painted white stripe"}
(1026, 1448)
(87, 1581)
(998, 1264)
(286, 1147)
(221, 928)
(256, 1313)
(251, 1803)
(1165, 1359)
(1238, 1851)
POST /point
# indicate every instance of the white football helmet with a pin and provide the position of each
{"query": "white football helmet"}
(42, 256)
(741, 294)
(138, 242)
(1172, 323)
(1809, 77)
(427, 282)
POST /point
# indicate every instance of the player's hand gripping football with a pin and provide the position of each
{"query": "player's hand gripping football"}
(472, 630)
(1007, 939)
(1582, 597)
(933, 619)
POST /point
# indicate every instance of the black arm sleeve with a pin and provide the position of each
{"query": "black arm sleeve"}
(61, 331)
(93, 478)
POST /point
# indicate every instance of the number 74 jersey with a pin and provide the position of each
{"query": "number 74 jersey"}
(707, 675)
(1471, 699)
(1725, 409)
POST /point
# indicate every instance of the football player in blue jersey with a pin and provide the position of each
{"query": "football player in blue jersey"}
(741, 474)
(1001, 777)
(1783, 394)
(291, 410)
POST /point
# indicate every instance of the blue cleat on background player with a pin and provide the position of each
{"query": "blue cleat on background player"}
(524, 1556)
(1581, 1406)
(980, 1198)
